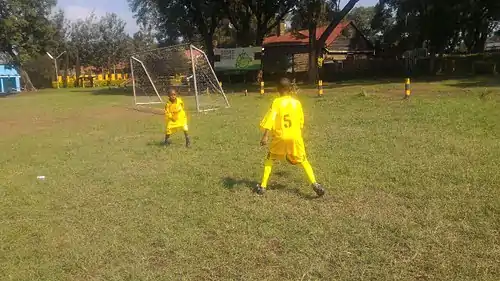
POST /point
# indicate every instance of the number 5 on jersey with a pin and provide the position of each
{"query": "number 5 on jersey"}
(286, 121)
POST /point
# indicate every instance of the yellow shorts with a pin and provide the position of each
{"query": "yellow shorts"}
(174, 129)
(292, 150)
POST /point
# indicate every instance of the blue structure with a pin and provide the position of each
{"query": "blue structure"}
(10, 80)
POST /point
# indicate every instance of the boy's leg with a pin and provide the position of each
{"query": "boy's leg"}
(320, 191)
(167, 139)
(168, 133)
(300, 154)
(309, 171)
(268, 167)
(186, 135)
(188, 140)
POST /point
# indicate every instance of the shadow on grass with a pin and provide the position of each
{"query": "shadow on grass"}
(232, 183)
(479, 82)
(300, 193)
(7, 95)
(105, 91)
(157, 143)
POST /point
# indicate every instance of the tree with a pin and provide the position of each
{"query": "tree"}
(143, 39)
(112, 43)
(25, 31)
(268, 15)
(304, 14)
(186, 19)
(362, 17)
(311, 11)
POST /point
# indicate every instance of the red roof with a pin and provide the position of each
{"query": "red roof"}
(301, 37)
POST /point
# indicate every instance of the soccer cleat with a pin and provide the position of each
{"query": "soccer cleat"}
(320, 191)
(259, 189)
(188, 143)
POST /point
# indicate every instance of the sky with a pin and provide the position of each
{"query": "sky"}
(80, 9)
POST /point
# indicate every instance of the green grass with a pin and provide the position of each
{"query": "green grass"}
(413, 189)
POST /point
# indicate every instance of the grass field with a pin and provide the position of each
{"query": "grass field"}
(413, 189)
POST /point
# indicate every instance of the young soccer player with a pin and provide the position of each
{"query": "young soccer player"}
(285, 121)
(175, 117)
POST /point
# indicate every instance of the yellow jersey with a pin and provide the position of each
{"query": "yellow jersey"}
(174, 112)
(285, 118)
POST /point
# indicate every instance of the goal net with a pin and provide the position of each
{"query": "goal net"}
(183, 67)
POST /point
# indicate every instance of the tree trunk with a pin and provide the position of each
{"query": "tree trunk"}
(78, 69)
(209, 45)
(28, 85)
(66, 66)
(27, 80)
(313, 54)
(242, 36)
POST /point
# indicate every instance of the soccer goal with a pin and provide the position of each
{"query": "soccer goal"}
(183, 67)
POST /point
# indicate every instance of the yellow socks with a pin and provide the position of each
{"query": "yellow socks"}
(309, 171)
(268, 166)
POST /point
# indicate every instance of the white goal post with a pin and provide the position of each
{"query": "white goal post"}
(183, 67)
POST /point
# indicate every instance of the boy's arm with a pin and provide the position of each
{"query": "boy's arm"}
(263, 140)
(168, 114)
(301, 114)
(267, 124)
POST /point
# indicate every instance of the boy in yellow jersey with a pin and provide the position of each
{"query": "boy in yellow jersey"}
(285, 121)
(175, 117)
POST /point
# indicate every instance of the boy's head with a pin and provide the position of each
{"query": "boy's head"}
(284, 86)
(172, 94)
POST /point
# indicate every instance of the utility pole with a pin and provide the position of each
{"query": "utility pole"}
(55, 65)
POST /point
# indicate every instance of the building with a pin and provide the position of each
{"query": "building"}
(10, 80)
(492, 44)
(288, 52)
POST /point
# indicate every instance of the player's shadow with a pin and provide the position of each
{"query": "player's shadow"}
(301, 193)
(157, 143)
(232, 183)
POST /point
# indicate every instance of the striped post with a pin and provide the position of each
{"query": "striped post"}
(320, 88)
(262, 88)
(407, 88)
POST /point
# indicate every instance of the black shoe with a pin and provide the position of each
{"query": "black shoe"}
(259, 189)
(320, 191)
(167, 142)
(188, 143)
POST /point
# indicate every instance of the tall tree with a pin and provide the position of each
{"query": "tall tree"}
(113, 41)
(311, 11)
(362, 17)
(25, 31)
(143, 39)
(268, 15)
(302, 15)
(184, 19)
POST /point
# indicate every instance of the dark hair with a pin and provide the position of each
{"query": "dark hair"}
(170, 90)
(284, 86)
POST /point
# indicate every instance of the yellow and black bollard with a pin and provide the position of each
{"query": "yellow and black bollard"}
(262, 88)
(320, 88)
(407, 88)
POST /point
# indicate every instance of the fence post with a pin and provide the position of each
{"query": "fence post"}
(407, 88)
(320, 88)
